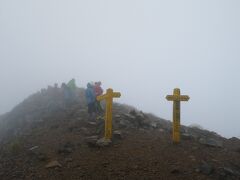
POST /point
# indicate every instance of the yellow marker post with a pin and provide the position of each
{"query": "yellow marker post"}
(108, 116)
(176, 98)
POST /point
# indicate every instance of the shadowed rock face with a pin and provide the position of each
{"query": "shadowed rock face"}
(46, 138)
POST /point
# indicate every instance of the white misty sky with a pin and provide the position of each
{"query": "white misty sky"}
(144, 49)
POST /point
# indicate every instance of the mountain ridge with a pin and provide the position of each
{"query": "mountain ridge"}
(44, 138)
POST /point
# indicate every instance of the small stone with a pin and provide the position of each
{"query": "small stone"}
(103, 142)
(33, 148)
(228, 171)
(195, 148)
(205, 168)
(135, 167)
(133, 112)
(54, 126)
(197, 170)
(53, 164)
(234, 139)
(85, 131)
(69, 160)
(92, 123)
(214, 160)
(79, 118)
(238, 150)
(105, 164)
(37, 153)
(100, 118)
(192, 158)
(91, 141)
(128, 116)
(161, 130)
(186, 136)
(117, 135)
(64, 150)
(67, 148)
(154, 124)
(42, 157)
(124, 123)
(117, 116)
(175, 171)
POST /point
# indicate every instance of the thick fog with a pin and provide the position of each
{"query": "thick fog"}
(143, 49)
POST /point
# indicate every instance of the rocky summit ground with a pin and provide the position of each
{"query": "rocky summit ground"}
(44, 138)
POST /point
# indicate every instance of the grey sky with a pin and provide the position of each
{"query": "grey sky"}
(143, 49)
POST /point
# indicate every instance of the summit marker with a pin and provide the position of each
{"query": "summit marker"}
(176, 98)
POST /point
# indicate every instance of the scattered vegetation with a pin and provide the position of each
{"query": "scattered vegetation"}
(15, 146)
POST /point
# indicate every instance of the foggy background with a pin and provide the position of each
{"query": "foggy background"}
(143, 49)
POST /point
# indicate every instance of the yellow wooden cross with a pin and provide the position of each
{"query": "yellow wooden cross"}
(176, 98)
(108, 116)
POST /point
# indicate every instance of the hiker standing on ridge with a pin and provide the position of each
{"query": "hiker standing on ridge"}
(73, 88)
(66, 94)
(98, 92)
(91, 98)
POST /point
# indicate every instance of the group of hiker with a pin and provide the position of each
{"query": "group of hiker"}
(93, 90)
(70, 95)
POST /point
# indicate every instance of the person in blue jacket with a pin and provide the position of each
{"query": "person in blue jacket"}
(90, 97)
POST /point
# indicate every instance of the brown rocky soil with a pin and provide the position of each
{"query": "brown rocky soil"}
(42, 138)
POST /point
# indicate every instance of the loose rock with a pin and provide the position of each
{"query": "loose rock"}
(53, 164)
(205, 168)
(211, 142)
(186, 136)
(103, 142)
(91, 141)
(117, 135)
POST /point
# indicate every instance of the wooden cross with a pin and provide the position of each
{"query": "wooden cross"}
(108, 116)
(176, 98)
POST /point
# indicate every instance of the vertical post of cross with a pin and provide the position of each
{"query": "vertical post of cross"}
(176, 98)
(176, 117)
(108, 118)
(108, 115)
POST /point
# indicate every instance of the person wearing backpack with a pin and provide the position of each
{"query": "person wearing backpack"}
(98, 92)
(91, 98)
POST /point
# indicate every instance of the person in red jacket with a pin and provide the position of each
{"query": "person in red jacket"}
(98, 92)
